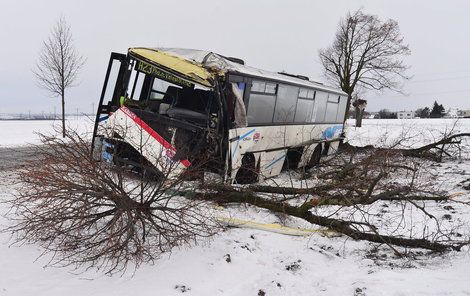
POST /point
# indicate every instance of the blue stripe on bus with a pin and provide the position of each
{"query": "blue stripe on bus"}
(247, 134)
(274, 161)
(241, 138)
(103, 118)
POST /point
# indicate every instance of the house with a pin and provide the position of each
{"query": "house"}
(405, 115)
(463, 113)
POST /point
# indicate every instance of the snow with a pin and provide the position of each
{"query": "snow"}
(416, 132)
(276, 264)
(14, 133)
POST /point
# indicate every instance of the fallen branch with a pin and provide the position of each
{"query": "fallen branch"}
(326, 199)
(425, 151)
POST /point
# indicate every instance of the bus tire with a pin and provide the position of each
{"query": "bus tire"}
(247, 173)
(316, 155)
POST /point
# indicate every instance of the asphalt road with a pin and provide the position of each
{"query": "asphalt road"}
(14, 158)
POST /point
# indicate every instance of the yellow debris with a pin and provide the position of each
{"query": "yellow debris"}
(456, 194)
(273, 227)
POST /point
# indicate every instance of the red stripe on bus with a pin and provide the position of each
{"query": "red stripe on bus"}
(152, 133)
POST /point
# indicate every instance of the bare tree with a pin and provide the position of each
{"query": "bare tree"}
(58, 63)
(366, 53)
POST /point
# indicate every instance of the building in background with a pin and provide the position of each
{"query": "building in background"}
(405, 114)
(463, 113)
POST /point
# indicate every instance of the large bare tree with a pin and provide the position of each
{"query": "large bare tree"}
(367, 53)
(58, 63)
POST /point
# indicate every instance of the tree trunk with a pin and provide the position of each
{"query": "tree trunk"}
(63, 114)
(348, 105)
(359, 114)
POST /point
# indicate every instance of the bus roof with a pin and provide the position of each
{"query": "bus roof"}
(204, 66)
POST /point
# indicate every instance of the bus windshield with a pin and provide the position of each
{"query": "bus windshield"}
(168, 95)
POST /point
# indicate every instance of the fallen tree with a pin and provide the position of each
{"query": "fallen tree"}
(91, 214)
(230, 195)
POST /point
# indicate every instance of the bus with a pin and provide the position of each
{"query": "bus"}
(179, 109)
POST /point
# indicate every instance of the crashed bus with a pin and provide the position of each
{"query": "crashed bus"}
(178, 109)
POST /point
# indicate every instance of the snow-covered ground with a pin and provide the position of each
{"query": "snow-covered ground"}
(14, 133)
(260, 261)
(411, 132)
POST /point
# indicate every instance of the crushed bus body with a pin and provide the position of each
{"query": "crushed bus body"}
(178, 110)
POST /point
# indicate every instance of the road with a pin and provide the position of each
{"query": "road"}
(14, 158)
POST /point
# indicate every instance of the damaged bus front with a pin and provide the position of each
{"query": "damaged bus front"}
(160, 111)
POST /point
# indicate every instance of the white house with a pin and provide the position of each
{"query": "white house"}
(405, 115)
(463, 113)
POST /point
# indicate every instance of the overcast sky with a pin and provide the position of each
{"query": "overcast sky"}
(269, 34)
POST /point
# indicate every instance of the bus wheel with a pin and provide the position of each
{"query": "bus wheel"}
(247, 173)
(316, 155)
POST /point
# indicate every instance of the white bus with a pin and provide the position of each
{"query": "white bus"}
(184, 108)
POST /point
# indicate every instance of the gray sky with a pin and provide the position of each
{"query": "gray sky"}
(269, 34)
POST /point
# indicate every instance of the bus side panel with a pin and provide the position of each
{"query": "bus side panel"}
(271, 163)
(270, 144)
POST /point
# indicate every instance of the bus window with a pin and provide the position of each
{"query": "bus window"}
(271, 88)
(303, 93)
(264, 87)
(331, 112)
(285, 103)
(304, 110)
(320, 107)
(260, 108)
(261, 102)
(311, 94)
(332, 108)
(258, 86)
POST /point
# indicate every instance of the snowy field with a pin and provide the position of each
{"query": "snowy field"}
(15, 133)
(260, 261)
(411, 132)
